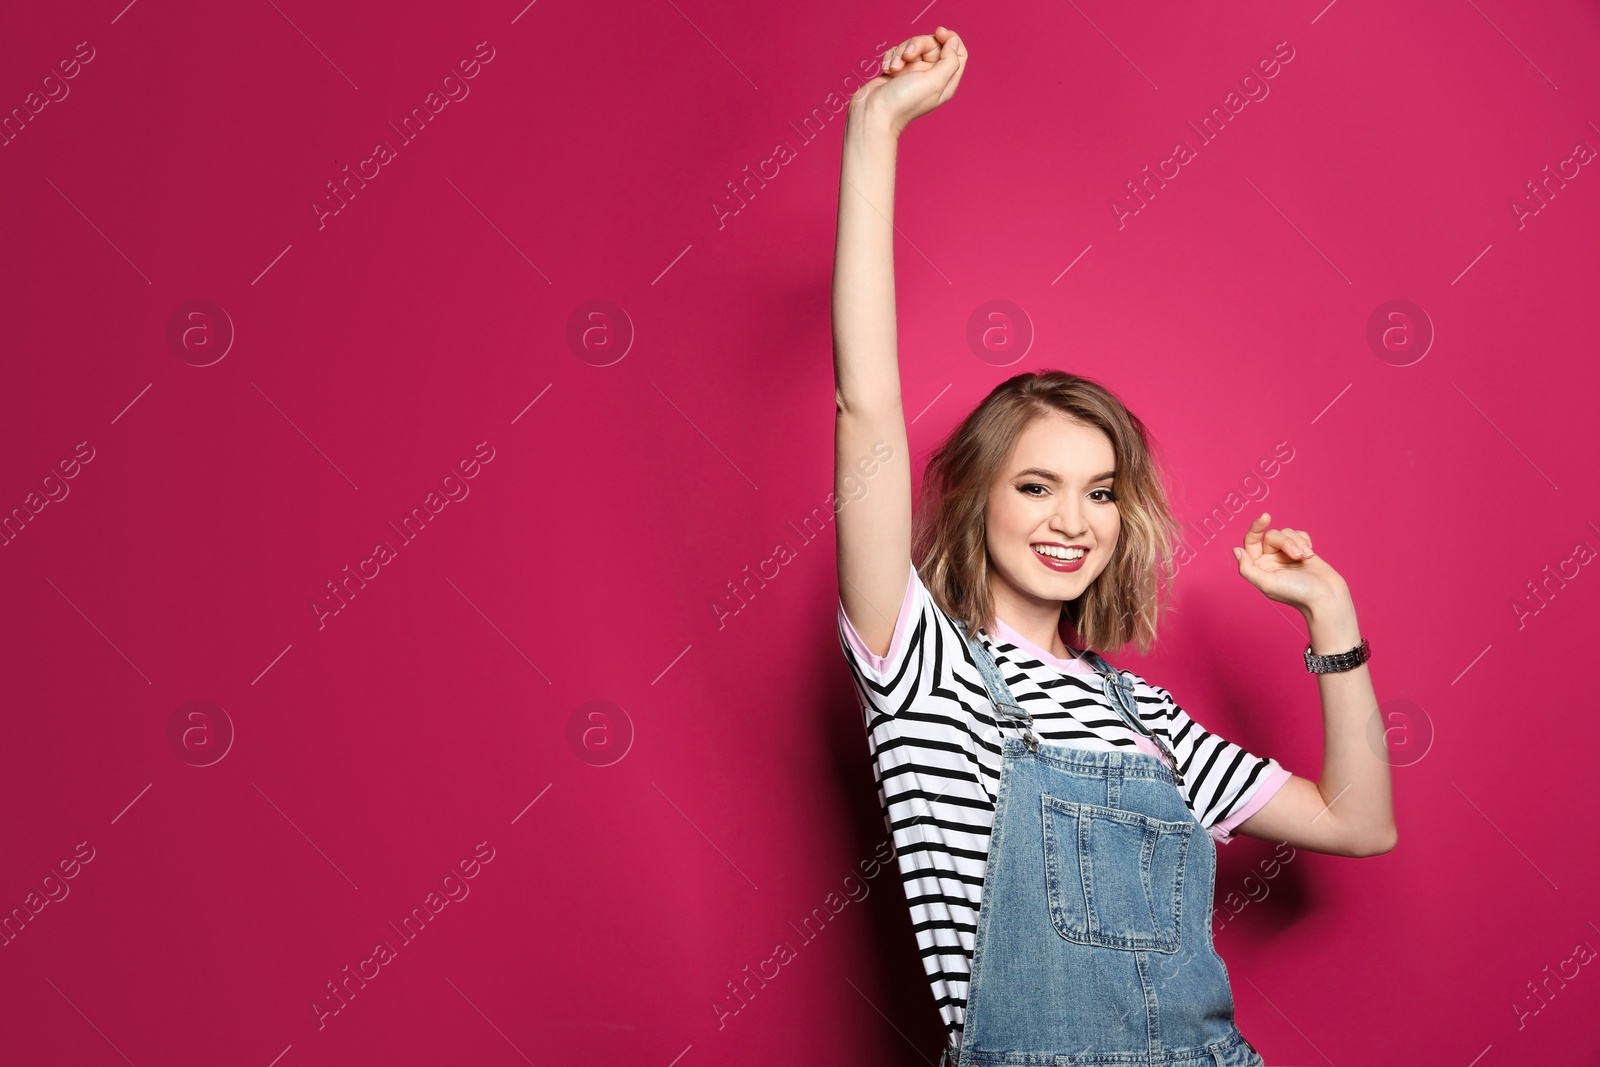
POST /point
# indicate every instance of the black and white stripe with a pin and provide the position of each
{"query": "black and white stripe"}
(936, 756)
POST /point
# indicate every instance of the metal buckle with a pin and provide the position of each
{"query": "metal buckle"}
(1130, 713)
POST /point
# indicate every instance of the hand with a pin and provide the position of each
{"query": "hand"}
(917, 77)
(1283, 566)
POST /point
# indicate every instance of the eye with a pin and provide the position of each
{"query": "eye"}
(1110, 496)
(1023, 489)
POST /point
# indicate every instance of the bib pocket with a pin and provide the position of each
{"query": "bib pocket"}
(1114, 878)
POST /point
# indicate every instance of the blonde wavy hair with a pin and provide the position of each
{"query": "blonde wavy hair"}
(1124, 602)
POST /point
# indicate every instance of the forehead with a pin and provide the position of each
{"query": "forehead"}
(1059, 443)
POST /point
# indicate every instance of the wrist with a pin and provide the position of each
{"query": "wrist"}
(869, 120)
(1332, 628)
(1334, 603)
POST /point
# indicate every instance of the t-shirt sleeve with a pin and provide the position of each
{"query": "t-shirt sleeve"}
(1224, 783)
(915, 608)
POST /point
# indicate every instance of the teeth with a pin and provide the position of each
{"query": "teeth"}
(1053, 552)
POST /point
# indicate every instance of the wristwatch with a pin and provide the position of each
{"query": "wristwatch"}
(1341, 661)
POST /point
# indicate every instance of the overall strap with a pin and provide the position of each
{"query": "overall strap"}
(1101, 665)
(1120, 690)
(999, 692)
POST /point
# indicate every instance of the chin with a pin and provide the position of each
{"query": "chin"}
(1061, 586)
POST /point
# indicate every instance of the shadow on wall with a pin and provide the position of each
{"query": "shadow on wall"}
(892, 977)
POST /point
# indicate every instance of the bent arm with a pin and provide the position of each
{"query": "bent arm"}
(872, 464)
(1349, 811)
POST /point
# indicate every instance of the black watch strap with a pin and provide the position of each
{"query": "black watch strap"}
(1341, 661)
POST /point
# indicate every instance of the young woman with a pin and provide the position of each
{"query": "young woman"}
(1077, 803)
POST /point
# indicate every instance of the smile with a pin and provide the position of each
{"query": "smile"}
(1059, 558)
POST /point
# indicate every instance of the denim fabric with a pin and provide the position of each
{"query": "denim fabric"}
(1094, 931)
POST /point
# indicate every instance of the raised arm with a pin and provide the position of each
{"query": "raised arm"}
(1349, 810)
(874, 520)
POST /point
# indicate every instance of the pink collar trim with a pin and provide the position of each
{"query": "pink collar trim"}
(1005, 633)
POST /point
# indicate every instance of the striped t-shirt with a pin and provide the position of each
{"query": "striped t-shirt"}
(936, 756)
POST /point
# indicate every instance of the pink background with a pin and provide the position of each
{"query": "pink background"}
(445, 707)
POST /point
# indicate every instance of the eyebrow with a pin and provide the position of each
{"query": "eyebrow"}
(1052, 476)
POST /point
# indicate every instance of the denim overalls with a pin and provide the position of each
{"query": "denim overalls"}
(1094, 930)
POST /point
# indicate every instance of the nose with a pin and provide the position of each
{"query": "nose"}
(1069, 519)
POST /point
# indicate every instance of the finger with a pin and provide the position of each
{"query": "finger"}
(1291, 543)
(911, 49)
(1282, 542)
(952, 61)
(1302, 542)
(1254, 536)
(931, 48)
(923, 60)
(1249, 569)
(953, 44)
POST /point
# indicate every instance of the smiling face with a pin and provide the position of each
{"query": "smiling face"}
(1055, 492)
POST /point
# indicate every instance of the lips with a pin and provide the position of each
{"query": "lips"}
(1060, 566)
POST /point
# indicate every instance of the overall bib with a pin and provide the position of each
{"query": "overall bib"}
(1094, 931)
